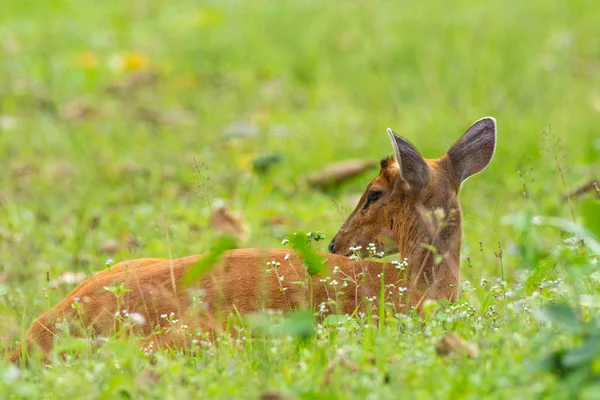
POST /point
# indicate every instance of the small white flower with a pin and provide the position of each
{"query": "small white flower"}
(109, 262)
(284, 242)
(137, 318)
(286, 257)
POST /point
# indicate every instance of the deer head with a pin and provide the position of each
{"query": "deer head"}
(412, 206)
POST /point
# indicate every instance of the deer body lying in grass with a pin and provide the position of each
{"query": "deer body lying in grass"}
(411, 207)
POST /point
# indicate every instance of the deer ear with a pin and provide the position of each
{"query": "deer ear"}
(413, 168)
(475, 149)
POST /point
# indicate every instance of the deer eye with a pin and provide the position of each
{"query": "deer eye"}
(372, 197)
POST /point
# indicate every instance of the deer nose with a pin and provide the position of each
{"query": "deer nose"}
(332, 246)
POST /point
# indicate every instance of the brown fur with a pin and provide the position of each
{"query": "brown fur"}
(402, 219)
(418, 213)
(237, 285)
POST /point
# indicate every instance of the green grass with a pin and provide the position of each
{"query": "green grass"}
(313, 82)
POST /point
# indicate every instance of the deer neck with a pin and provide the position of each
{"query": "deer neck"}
(433, 255)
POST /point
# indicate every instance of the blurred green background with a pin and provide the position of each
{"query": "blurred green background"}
(104, 106)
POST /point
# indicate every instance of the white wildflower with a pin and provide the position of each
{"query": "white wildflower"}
(137, 318)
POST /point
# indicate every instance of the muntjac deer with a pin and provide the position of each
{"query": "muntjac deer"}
(411, 207)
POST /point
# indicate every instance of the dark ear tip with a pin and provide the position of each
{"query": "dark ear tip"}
(400, 140)
(488, 123)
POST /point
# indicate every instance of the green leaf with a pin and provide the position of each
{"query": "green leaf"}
(311, 260)
(207, 262)
(550, 362)
(562, 315)
(590, 213)
(588, 236)
(300, 324)
(582, 355)
(441, 316)
(263, 164)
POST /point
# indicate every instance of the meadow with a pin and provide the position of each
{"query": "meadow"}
(123, 125)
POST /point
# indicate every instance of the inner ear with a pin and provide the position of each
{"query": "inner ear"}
(413, 168)
(475, 149)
